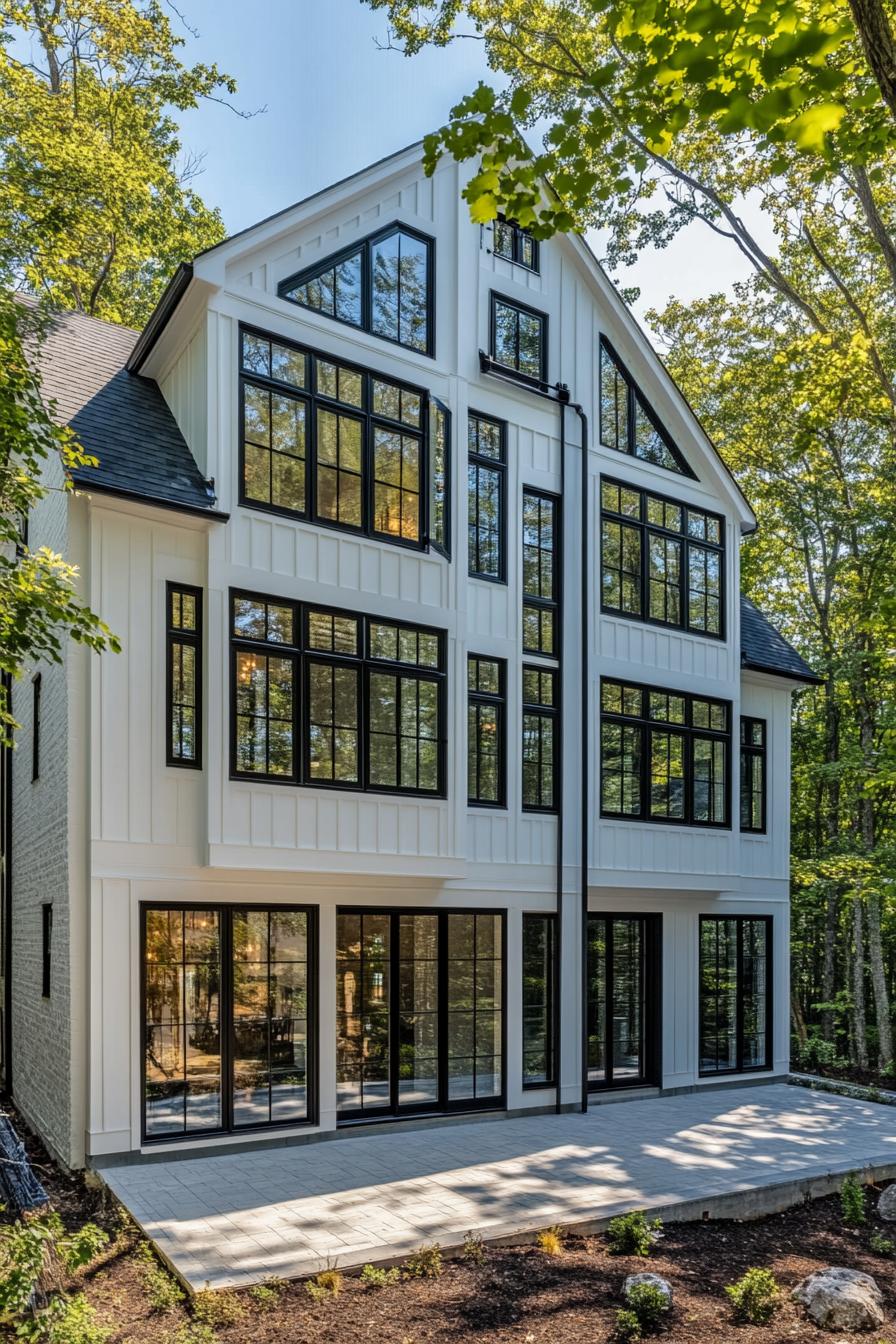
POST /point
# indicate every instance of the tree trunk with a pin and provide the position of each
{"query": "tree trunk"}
(859, 1032)
(879, 45)
(799, 1021)
(829, 965)
(879, 984)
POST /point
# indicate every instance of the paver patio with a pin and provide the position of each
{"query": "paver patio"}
(235, 1219)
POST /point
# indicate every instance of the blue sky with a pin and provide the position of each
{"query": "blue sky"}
(335, 102)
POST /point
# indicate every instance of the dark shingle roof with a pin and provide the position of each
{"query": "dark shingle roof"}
(119, 417)
(764, 649)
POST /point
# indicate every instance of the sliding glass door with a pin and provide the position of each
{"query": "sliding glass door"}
(623, 1000)
(227, 1002)
(419, 1002)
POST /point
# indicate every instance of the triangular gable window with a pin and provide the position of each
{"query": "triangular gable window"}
(626, 421)
(383, 285)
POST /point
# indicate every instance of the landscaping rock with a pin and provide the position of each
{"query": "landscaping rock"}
(841, 1299)
(886, 1205)
(655, 1281)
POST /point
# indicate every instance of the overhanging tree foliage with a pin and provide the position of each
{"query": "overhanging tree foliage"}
(662, 115)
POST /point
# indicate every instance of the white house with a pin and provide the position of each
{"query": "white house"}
(443, 769)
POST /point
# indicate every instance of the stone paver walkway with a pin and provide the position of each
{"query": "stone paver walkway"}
(235, 1219)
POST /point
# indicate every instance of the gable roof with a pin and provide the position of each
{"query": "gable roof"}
(121, 419)
(764, 649)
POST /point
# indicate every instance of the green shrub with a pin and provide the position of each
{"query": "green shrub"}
(881, 1245)
(27, 1248)
(328, 1283)
(649, 1304)
(754, 1297)
(627, 1326)
(217, 1309)
(266, 1295)
(474, 1249)
(192, 1332)
(161, 1291)
(72, 1320)
(852, 1202)
(425, 1263)
(374, 1276)
(631, 1234)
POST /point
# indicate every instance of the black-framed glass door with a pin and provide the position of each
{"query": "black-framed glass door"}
(623, 1004)
(419, 1012)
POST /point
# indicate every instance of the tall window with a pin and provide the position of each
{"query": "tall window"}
(486, 744)
(664, 755)
(487, 484)
(540, 746)
(46, 931)
(627, 423)
(339, 445)
(541, 573)
(539, 974)
(184, 676)
(661, 560)
(514, 244)
(519, 339)
(36, 688)
(752, 774)
(735, 993)
(227, 1011)
(370, 713)
(384, 284)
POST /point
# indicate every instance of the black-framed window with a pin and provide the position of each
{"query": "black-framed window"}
(228, 1018)
(36, 711)
(336, 699)
(342, 446)
(662, 561)
(420, 1011)
(541, 573)
(539, 980)
(540, 739)
(486, 731)
(383, 284)
(753, 747)
(487, 494)
(519, 338)
(514, 243)
(664, 755)
(46, 947)
(627, 422)
(735, 993)
(183, 620)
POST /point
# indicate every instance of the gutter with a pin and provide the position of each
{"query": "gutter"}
(174, 291)
(158, 501)
(808, 678)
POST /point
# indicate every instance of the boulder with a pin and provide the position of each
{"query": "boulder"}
(655, 1281)
(886, 1205)
(841, 1299)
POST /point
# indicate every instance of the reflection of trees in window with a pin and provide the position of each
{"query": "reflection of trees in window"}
(735, 989)
(752, 774)
(539, 956)
(339, 473)
(519, 339)
(515, 244)
(384, 286)
(539, 746)
(486, 749)
(184, 639)
(440, 477)
(540, 604)
(486, 484)
(664, 755)
(626, 421)
(387, 737)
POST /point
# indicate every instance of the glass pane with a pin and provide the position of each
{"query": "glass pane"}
(400, 278)
(627, 1005)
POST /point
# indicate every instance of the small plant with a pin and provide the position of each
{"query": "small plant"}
(474, 1249)
(754, 1297)
(881, 1245)
(72, 1320)
(550, 1240)
(649, 1305)
(217, 1309)
(266, 1295)
(425, 1263)
(192, 1332)
(852, 1202)
(631, 1234)
(328, 1283)
(373, 1276)
(27, 1248)
(160, 1289)
(627, 1326)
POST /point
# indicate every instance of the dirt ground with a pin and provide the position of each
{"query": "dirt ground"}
(515, 1296)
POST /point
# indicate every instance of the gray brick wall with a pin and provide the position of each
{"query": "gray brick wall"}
(41, 1027)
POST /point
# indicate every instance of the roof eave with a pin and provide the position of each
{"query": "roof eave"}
(806, 678)
(174, 291)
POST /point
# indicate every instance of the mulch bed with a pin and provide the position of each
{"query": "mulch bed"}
(518, 1295)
